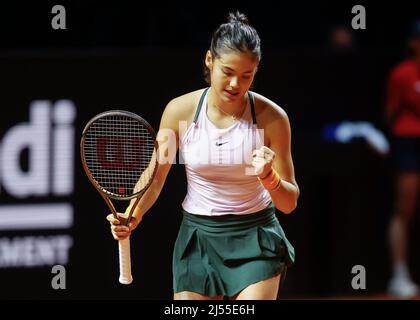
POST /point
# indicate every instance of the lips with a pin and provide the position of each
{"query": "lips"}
(231, 93)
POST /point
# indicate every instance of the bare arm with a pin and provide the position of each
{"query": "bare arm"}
(285, 196)
(167, 139)
(277, 155)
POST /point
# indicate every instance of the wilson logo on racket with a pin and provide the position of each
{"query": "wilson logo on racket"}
(118, 153)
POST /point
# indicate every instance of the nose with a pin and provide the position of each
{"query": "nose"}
(233, 82)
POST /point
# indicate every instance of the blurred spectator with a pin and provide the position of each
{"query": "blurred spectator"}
(403, 117)
(341, 39)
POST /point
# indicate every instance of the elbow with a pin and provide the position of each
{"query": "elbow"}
(289, 204)
(288, 208)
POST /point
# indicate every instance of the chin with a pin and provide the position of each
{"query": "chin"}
(229, 97)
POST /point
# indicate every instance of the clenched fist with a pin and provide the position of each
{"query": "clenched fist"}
(263, 161)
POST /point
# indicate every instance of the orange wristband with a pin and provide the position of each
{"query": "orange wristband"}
(271, 181)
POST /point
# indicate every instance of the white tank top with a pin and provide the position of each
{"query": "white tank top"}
(220, 177)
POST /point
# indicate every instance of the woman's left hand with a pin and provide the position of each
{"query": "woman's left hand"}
(263, 161)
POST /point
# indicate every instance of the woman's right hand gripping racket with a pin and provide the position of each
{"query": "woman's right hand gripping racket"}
(118, 150)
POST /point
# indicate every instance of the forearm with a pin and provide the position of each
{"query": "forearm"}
(147, 199)
(285, 196)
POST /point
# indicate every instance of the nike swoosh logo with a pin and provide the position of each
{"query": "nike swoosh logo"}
(218, 144)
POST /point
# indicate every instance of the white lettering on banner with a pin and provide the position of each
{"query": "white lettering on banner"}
(46, 143)
(34, 251)
(35, 136)
(36, 216)
(63, 153)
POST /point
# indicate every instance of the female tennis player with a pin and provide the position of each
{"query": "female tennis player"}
(236, 146)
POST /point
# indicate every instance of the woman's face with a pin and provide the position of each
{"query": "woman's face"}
(231, 74)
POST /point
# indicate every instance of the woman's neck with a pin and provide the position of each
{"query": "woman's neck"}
(226, 108)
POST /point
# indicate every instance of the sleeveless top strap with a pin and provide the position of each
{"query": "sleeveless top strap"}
(200, 104)
(251, 100)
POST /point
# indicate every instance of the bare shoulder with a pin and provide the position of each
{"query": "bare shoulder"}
(272, 119)
(181, 108)
(269, 114)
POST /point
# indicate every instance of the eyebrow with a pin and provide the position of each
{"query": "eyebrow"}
(250, 71)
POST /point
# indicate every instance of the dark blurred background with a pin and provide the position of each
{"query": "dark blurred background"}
(137, 57)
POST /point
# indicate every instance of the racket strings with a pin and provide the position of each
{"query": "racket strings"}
(120, 154)
(146, 175)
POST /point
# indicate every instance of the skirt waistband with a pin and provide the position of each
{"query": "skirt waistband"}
(230, 222)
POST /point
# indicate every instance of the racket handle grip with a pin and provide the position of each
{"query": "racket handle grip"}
(125, 261)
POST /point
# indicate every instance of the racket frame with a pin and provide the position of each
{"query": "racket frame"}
(106, 195)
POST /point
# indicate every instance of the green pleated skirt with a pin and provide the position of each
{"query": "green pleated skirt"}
(220, 256)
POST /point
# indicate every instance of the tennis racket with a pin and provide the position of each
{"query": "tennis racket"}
(118, 151)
